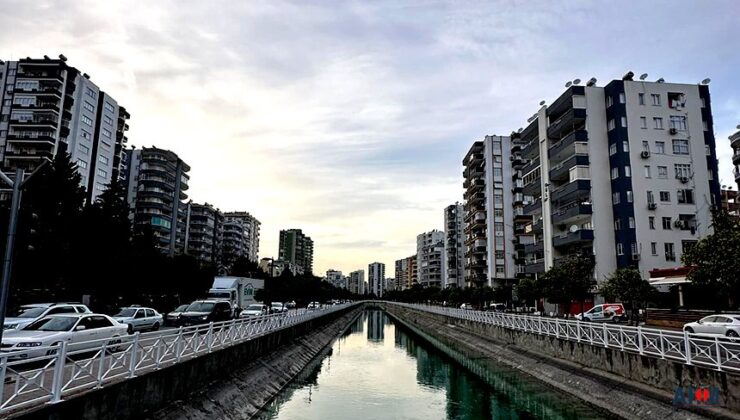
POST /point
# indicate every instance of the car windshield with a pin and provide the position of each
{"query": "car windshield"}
(28, 312)
(180, 308)
(54, 323)
(201, 307)
(254, 308)
(126, 312)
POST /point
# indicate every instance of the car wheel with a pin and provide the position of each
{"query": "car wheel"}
(155, 327)
(586, 319)
(689, 330)
(130, 329)
(112, 345)
(733, 334)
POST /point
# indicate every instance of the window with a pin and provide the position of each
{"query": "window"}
(647, 171)
(86, 120)
(88, 106)
(497, 172)
(81, 164)
(83, 149)
(632, 222)
(678, 122)
(643, 122)
(669, 254)
(624, 121)
(610, 125)
(666, 223)
(654, 248)
(707, 150)
(658, 121)
(621, 98)
(613, 149)
(107, 134)
(615, 198)
(656, 98)
(651, 222)
(615, 173)
(627, 171)
(103, 173)
(91, 93)
(617, 224)
(108, 120)
(680, 147)
(629, 196)
(109, 107)
(662, 172)
(660, 147)
(609, 101)
(665, 196)
(86, 135)
(498, 212)
(641, 98)
(683, 170)
(687, 245)
(650, 197)
(499, 255)
(645, 146)
(99, 186)
(103, 159)
(685, 196)
(625, 146)
(620, 249)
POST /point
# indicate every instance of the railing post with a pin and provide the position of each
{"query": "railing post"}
(578, 331)
(639, 340)
(662, 345)
(209, 336)
(606, 335)
(557, 328)
(687, 345)
(3, 371)
(102, 365)
(58, 379)
(719, 360)
(178, 343)
(134, 352)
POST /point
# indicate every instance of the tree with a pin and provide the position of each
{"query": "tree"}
(714, 259)
(570, 280)
(528, 291)
(627, 285)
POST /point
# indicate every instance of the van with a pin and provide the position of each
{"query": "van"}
(613, 312)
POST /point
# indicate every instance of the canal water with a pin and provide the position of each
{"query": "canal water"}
(381, 370)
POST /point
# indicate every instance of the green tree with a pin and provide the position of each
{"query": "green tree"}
(570, 280)
(528, 291)
(714, 259)
(628, 286)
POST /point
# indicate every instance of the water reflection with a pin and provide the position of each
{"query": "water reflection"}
(364, 376)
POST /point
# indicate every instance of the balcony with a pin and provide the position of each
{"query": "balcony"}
(531, 166)
(533, 207)
(735, 140)
(736, 172)
(576, 190)
(531, 150)
(31, 140)
(561, 172)
(571, 213)
(533, 188)
(534, 267)
(28, 155)
(736, 157)
(533, 248)
(566, 146)
(578, 237)
(566, 123)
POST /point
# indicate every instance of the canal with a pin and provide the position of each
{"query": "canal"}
(381, 370)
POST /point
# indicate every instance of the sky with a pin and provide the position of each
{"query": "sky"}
(350, 119)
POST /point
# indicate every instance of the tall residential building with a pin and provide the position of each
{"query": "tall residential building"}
(357, 282)
(241, 237)
(275, 268)
(625, 173)
(47, 107)
(297, 248)
(488, 217)
(376, 279)
(453, 273)
(430, 255)
(335, 278)
(735, 143)
(406, 275)
(204, 233)
(157, 181)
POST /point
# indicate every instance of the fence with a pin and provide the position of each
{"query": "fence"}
(49, 374)
(716, 352)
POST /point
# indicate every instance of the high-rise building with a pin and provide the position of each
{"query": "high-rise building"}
(735, 143)
(488, 216)
(453, 273)
(430, 254)
(297, 248)
(241, 237)
(47, 107)
(357, 282)
(335, 278)
(204, 233)
(157, 181)
(376, 279)
(625, 173)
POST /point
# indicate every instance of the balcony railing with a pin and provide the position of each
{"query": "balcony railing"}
(574, 238)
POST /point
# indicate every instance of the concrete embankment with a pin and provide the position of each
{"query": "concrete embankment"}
(624, 384)
(231, 383)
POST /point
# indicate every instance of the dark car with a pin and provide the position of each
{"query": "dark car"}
(205, 311)
(173, 318)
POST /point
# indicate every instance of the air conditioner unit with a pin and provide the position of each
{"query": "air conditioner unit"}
(645, 154)
(684, 179)
(673, 131)
(652, 206)
(635, 257)
(511, 158)
(678, 223)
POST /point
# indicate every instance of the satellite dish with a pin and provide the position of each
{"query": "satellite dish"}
(521, 129)
(530, 119)
(577, 81)
(643, 76)
(591, 81)
(574, 229)
(568, 84)
(738, 127)
(661, 80)
(542, 103)
(706, 81)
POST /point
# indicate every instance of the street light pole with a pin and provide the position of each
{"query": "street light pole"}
(10, 241)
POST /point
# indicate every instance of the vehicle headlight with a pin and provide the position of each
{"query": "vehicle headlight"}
(204, 317)
(10, 326)
(34, 344)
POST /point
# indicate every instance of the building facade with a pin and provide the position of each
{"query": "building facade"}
(275, 268)
(735, 143)
(204, 233)
(625, 174)
(357, 282)
(430, 252)
(376, 279)
(241, 237)
(453, 274)
(488, 216)
(336, 278)
(48, 107)
(157, 181)
(297, 248)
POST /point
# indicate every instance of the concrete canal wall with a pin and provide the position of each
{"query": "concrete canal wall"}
(626, 384)
(230, 383)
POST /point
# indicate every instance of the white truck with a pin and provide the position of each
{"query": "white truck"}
(237, 290)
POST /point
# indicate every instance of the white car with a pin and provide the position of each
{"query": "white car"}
(313, 306)
(723, 324)
(255, 309)
(139, 319)
(26, 314)
(78, 330)
(278, 307)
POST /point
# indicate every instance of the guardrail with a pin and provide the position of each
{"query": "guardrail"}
(716, 352)
(49, 374)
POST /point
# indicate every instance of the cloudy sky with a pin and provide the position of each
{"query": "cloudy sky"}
(350, 119)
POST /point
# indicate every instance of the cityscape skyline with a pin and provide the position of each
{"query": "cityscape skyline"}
(378, 137)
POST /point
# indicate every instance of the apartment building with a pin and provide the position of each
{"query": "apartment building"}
(275, 268)
(336, 278)
(406, 275)
(430, 252)
(376, 279)
(241, 237)
(48, 107)
(488, 218)
(735, 143)
(297, 248)
(453, 273)
(625, 173)
(204, 233)
(357, 282)
(157, 185)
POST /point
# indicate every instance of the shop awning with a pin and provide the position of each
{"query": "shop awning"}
(668, 281)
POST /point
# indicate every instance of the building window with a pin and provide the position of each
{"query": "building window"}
(83, 149)
(103, 160)
(707, 150)
(666, 223)
(99, 186)
(109, 107)
(658, 121)
(615, 173)
(629, 196)
(685, 196)
(86, 120)
(497, 173)
(108, 120)
(617, 224)
(613, 149)
(651, 222)
(615, 198)
(609, 101)
(650, 197)
(678, 122)
(610, 125)
(647, 171)
(107, 133)
(662, 172)
(627, 171)
(632, 222)
(656, 98)
(683, 170)
(641, 98)
(680, 147)
(620, 249)
(625, 146)
(103, 173)
(88, 106)
(687, 245)
(621, 98)
(705, 125)
(669, 254)
(665, 196)
(91, 93)
(86, 135)
(654, 248)
(81, 164)
(660, 147)
(643, 122)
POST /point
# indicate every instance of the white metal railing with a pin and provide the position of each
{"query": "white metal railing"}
(49, 374)
(717, 352)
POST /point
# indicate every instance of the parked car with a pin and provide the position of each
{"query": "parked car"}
(27, 314)
(278, 307)
(255, 309)
(75, 329)
(724, 324)
(204, 311)
(173, 317)
(313, 306)
(497, 307)
(613, 312)
(291, 304)
(466, 306)
(139, 319)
